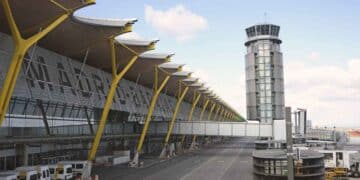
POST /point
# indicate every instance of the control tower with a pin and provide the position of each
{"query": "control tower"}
(264, 74)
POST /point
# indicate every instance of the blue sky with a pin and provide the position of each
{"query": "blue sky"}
(320, 44)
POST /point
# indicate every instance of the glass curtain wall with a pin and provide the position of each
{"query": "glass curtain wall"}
(264, 85)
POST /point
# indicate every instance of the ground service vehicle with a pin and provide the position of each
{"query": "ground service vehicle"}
(28, 175)
(78, 167)
(43, 171)
(342, 162)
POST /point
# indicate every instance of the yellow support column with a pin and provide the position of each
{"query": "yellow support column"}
(211, 111)
(21, 46)
(181, 96)
(116, 77)
(193, 144)
(196, 98)
(217, 112)
(221, 118)
(156, 93)
(226, 116)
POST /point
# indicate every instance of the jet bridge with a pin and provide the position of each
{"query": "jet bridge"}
(220, 128)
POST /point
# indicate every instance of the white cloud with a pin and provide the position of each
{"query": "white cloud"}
(177, 21)
(314, 55)
(330, 93)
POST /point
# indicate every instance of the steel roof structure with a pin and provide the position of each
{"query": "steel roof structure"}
(52, 25)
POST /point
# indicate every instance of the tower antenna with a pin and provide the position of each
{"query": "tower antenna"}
(265, 17)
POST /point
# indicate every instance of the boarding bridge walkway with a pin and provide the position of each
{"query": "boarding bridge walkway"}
(217, 128)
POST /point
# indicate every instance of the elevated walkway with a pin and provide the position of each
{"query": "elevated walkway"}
(215, 128)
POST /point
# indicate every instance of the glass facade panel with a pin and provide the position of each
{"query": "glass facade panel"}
(260, 52)
(268, 73)
(261, 66)
(264, 83)
(267, 60)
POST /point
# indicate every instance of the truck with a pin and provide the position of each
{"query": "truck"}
(342, 162)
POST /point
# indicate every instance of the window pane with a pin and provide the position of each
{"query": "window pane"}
(266, 46)
(261, 66)
(262, 100)
(262, 113)
(268, 100)
(267, 59)
(267, 73)
(262, 93)
(260, 60)
(268, 93)
(260, 46)
(261, 73)
(268, 113)
(268, 86)
(268, 80)
(262, 86)
(269, 107)
(261, 53)
(268, 66)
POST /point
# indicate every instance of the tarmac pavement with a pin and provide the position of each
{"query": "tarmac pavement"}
(227, 161)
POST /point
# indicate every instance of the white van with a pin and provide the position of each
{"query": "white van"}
(8, 175)
(61, 171)
(78, 167)
(52, 169)
(43, 171)
(28, 175)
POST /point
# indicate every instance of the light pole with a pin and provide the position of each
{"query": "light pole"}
(289, 144)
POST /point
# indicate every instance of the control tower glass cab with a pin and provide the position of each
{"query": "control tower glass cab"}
(264, 74)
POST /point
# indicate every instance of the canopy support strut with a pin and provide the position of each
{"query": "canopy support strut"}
(158, 87)
(116, 77)
(181, 95)
(21, 47)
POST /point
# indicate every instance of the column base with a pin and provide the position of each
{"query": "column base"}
(179, 148)
(134, 163)
(168, 151)
(164, 153)
(194, 146)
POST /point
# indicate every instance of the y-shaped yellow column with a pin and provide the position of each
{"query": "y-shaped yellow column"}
(181, 95)
(21, 46)
(156, 93)
(196, 98)
(193, 143)
(116, 77)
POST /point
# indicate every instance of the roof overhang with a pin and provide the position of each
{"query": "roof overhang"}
(143, 70)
